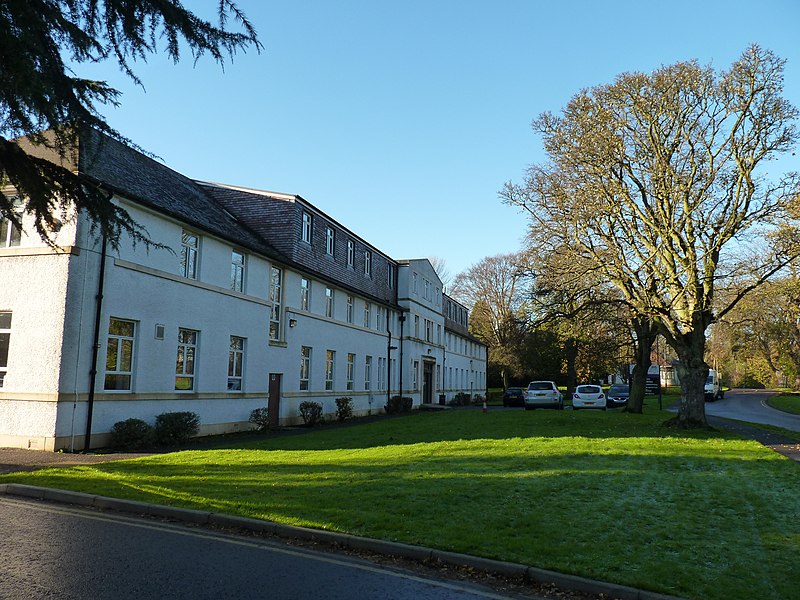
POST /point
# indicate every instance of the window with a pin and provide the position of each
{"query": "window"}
(351, 253)
(438, 377)
(392, 371)
(305, 293)
(190, 245)
(119, 355)
(330, 359)
(390, 277)
(414, 376)
(351, 367)
(378, 317)
(187, 353)
(367, 263)
(428, 331)
(305, 366)
(237, 271)
(330, 239)
(275, 296)
(235, 362)
(328, 302)
(416, 326)
(381, 372)
(10, 235)
(438, 334)
(5, 342)
(349, 309)
(367, 313)
(414, 282)
(367, 372)
(305, 234)
(427, 289)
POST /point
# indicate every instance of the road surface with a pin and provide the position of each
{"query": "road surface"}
(53, 552)
(751, 405)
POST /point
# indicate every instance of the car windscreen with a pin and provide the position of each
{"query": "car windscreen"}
(710, 380)
(618, 389)
(588, 389)
(540, 385)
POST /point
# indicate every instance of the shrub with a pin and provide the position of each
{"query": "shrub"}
(478, 399)
(344, 410)
(131, 434)
(260, 418)
(175, 428)
(311, 412)
(398, 404)
(460, 399)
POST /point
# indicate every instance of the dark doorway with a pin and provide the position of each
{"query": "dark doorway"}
(274, 405)
(427, 382)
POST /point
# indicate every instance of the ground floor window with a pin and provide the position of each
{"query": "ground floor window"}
(367, 372)
(351, 365)
(185, 362)
(5, 342)
(330, 361)
(119, 354)
(305, 366)
(235, 363)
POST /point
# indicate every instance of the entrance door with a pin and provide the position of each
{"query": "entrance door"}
(274, 405)
(427, 382)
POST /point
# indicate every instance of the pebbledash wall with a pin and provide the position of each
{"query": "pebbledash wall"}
(249, 287)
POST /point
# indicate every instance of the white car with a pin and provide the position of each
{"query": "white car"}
(543, 394)
(588, 396)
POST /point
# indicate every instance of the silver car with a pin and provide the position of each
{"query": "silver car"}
(543, 394)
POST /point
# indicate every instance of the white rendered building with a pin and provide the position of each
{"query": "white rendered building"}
(256, 299)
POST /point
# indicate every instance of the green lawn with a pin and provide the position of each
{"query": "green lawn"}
(601, 494)
(786, 402)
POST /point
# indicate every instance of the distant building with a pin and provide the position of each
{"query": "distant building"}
(257, 298)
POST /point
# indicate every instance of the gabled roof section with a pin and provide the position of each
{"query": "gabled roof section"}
(139, 178)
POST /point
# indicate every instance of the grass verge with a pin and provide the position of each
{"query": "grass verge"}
(786, 402)
(606, 495)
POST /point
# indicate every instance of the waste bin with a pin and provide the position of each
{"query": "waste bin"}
(442, 400)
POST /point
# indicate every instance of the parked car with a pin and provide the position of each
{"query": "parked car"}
(588, 396)
(514, 396)
(543, 394)
(618, 395)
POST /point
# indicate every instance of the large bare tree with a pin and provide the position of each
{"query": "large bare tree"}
(659, 180)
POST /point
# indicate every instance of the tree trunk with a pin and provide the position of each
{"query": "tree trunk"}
(692, 371)
(645, 331)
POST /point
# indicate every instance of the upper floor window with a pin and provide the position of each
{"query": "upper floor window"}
(390, 277)
(305, 293)
(367, 263)
(305, 234)
(378, 317)
(367, 313)
(119, 354)
(428, 331)
(235, 363)
(329, 302)
(185, 363)
(276, 297)
(351, 253)
(237, 271)
(10, 234)
(5, 342)
(349, 309)
(330, 239)
(190, 247)
(414, 283)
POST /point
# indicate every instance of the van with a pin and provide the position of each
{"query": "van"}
(713, 388)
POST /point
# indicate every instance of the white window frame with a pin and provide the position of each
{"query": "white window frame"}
(416, 326)
(276, 297)
(10, 235)
(350, 303)
(381, 371)
(329, 302)
(305, 293)
(415, 375)
(351, 369)
(367, 372)
(429, 331)
(5, 331)
(187, 369)
(307, 227)
(330, 241)
(238, 264)
(236, 364)
(367, 314)
(351, 253)
(390, 276)
(190, 254)
(368, 263)
(330, 369)
(305, 367)
(118, 341)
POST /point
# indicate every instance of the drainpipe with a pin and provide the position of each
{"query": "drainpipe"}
(95, 345)
(388, 360)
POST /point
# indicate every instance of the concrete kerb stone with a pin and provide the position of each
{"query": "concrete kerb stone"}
(419, 553)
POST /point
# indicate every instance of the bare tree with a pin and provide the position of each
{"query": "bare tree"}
(658, 180)
(440, 266)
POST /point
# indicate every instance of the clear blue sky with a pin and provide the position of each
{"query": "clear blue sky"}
(402, 120)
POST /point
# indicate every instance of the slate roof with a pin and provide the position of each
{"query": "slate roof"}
(144, 180)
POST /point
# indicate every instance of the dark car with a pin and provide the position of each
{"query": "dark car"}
(514, 397)
(618, 395)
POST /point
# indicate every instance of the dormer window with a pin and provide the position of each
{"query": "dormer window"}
(305, 233)
(330, 239)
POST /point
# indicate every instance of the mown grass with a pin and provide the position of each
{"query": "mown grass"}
(788, 402)
(607, 495)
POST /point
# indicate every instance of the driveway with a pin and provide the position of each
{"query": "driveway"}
(751, 406)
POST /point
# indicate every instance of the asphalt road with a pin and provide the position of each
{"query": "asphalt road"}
(54, 552)
(751, 405)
